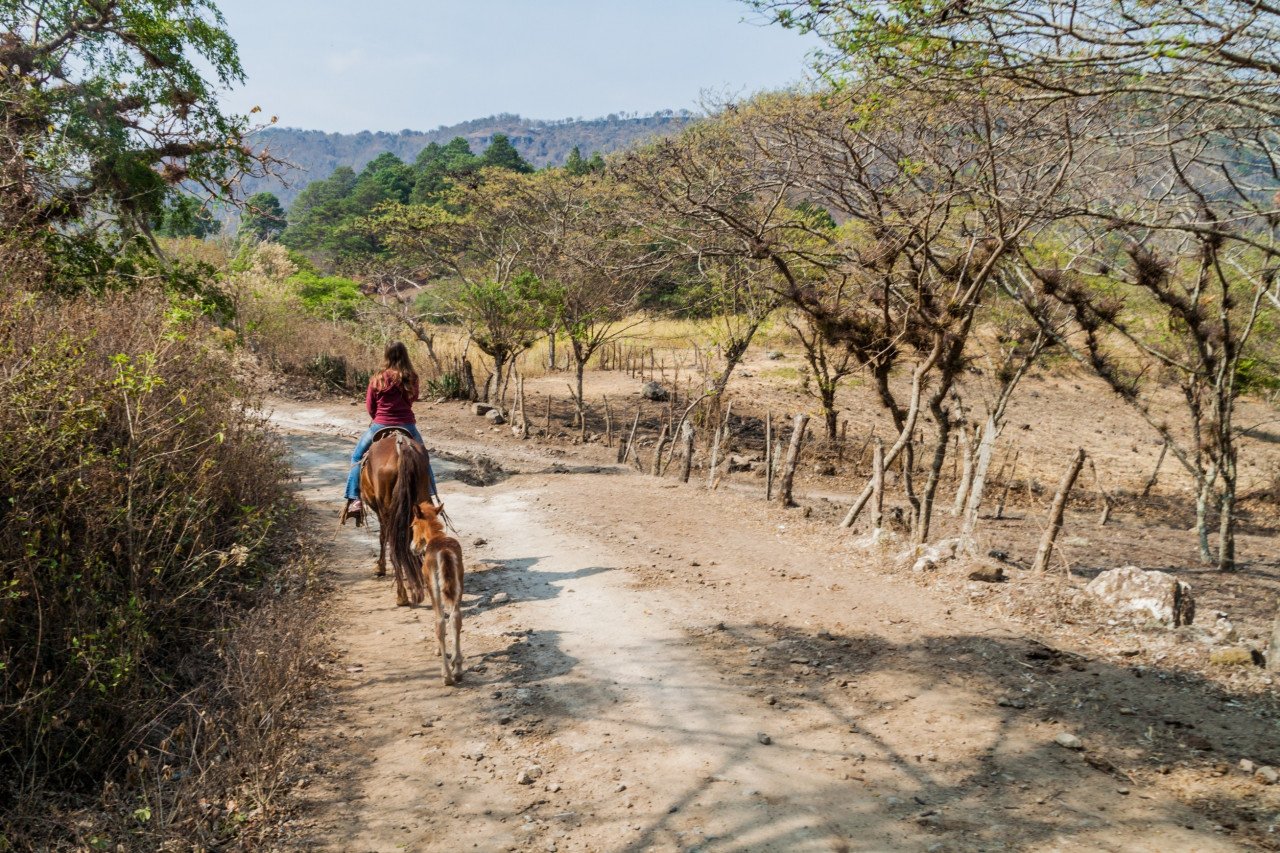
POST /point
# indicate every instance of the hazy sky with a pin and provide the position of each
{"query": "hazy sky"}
(339, 65)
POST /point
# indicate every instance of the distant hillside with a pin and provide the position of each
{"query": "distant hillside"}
(317, 154)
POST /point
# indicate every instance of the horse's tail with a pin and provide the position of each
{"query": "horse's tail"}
(408, 483)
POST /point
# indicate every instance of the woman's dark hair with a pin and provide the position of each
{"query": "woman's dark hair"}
(397, 369)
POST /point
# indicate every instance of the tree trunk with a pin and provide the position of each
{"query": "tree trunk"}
(551, 351)
(733, 355)
(1045, 551)
(1226, 519)
(943, 418)
(1202, 520)
(580, 365)
(793, 459)
(830, 417)
(905, 433)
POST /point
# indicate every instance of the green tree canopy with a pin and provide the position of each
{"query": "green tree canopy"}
(109, 106)
(502, 154)
(185, 216)
(263, 217)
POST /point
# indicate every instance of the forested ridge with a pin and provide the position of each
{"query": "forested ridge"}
(315, 154)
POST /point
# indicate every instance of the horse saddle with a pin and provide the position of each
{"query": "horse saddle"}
(389, 431)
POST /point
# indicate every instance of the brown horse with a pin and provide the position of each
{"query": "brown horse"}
(442, 564)
(393, 480)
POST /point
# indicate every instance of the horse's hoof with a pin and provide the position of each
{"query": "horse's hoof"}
(379, 573)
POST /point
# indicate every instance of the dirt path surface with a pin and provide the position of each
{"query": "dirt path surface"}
(651, 667)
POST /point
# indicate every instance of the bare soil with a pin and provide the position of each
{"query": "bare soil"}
(656, 666)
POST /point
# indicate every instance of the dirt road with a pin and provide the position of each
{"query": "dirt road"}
(651, 667)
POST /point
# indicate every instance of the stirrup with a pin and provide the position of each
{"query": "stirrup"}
(348, 512)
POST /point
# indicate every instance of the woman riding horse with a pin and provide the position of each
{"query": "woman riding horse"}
(389, 400)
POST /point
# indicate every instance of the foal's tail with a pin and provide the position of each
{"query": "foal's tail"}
(410, 480)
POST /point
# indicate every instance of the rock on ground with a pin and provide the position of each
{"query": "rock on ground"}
(1158, 595)
(655, 391)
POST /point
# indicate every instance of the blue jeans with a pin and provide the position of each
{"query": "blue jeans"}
(362, 447)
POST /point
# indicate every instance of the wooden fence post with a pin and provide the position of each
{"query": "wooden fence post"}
(1008, 484)
(1155, 475)
(622, 448)
(656, 470)
(793, 459)
(715, 457)
(768, 458)
(1045, 551)
(686, 431)
(608, 423)
(877, 485)
(524, 420)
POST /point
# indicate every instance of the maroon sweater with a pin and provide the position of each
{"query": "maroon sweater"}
(391, 406)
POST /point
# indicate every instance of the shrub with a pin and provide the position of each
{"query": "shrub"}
(140, 499)
(448, 385)
(329, 297)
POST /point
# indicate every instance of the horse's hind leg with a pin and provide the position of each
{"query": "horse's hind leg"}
(402, 598)
(382, 552)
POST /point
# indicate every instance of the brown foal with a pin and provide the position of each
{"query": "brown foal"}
(442, 565)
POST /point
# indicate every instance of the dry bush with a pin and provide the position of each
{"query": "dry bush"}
(144, 505)
(271, 319)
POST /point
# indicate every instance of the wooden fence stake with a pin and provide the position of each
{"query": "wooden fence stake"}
(657, 453)
(608, 424)
(524, 420)
(686, 431)
(768, 458)
(1155, 475)
(793, 459)
(1008, 484)
(965, 452)
(715, 458)
(1102, 494)
(548, 414)
(631, 439)
(877, 485)
(1045, 551)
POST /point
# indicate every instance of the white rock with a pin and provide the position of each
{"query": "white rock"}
(1157, 595)
(1068, 741)
(500, 598)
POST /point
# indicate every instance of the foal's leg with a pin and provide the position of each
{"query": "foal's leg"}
(434, 572)
(456, 616)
